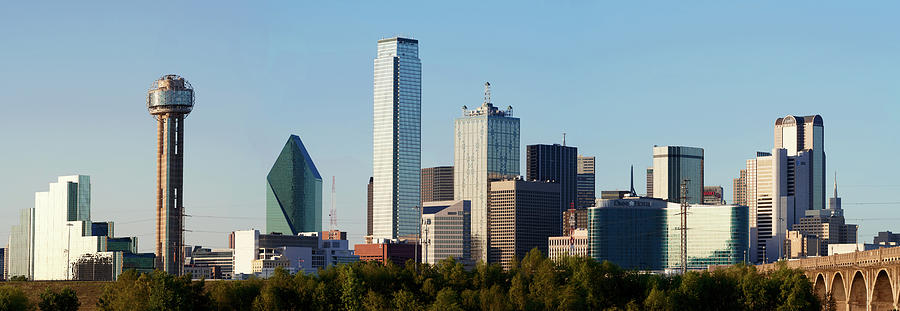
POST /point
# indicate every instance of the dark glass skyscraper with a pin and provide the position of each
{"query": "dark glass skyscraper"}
(558, 164)
(294, 192)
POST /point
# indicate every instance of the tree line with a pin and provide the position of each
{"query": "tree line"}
(533, 283)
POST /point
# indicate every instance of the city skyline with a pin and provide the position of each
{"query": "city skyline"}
(651, 79)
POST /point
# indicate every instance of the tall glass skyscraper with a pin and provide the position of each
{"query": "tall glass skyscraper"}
(486, 148)
(397, 158)
(671, 166)
(294, 191)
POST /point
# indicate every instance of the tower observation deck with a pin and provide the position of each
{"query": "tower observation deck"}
(169, 100)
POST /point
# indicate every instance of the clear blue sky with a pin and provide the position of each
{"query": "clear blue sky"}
(617, 77)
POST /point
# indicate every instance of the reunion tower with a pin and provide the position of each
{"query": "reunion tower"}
(170, 99)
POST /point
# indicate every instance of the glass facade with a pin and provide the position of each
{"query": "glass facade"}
(396, 159)
(672, 165)
(293, 191)
(486, 147)
(717, 235)
(629, 232)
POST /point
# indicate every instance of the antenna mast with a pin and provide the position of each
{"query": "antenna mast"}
(487, 92)
(684, 213)
(333, 214)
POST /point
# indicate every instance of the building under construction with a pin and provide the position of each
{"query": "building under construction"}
(170, 99)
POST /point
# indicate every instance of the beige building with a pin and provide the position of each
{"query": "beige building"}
(261, 265)
(801, 245)
(518, 213)
(575, 245)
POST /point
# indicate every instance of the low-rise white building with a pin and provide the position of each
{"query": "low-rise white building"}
(570, 245)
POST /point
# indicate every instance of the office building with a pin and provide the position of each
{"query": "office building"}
(522, 216)
(887, 238)
(369, 208)
(614, 194)
(630, 232)
(446, 231)
(387, 251)
(714, 195)
(558, 164)
(739, 189)
(306, 252)
(671, 166)
(573, 219)
(212, 263)
(586, 186)
(650, 182)
(2, 264)
(827, 226)
(486, 148)
(20, 250)
(397, 158)
(801, 245)
(437, 184)
(574, 244)
(717, 235)
(293, 191)
(170, 100)
(805, 134)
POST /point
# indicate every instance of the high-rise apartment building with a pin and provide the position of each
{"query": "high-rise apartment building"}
(293, 191)
(805, 134)
(369, 208)
(713, 195)
(650, 182)
(671, 166)
(586, 183)
(520, 214)
(437, 184)
(397, 158)
(558, 164)
(446, 231)
(739, 189)
(486, 148)
(170, 100)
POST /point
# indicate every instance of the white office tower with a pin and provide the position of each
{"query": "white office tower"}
(671, 166)
(486, 148)
(397, 158)
(777, 195)
(805, 134)
(62, 227)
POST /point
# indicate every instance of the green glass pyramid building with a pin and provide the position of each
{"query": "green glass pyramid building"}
(293, 191)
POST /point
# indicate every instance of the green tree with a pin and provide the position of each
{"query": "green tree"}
(447, 300)
(157, 290)
(406, 301)
(351, 289)
(13, 299)
(234, 295)
(65, 300)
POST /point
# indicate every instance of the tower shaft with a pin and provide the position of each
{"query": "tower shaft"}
(169, 203)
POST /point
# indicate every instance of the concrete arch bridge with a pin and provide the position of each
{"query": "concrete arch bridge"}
(868, 280)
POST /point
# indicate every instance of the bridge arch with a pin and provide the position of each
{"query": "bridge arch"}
(819, 286)
(882, 292)
(838, 290)
(857, 300)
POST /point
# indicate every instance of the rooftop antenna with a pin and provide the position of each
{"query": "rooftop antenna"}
(487, 92)
(835, 184)
(333, 214)
(564, 138)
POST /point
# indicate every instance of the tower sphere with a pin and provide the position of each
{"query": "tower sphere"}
(170, 94)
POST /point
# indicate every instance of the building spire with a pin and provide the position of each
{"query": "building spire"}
(487, 92)
(634, 194)
(835, 184)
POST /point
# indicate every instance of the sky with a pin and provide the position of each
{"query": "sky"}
(617, 77)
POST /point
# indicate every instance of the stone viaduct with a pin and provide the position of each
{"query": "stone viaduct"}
(868, 280)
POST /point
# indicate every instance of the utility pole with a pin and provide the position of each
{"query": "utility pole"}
(69, 253)
(418, 240)
(333, 214)
(684, 213)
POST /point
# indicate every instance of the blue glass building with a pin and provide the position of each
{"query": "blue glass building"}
(294, 191)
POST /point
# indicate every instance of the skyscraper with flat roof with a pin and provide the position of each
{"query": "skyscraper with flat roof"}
(293, 191)
(520, 215)
(671, 166)
(586, 186)
(437, 184)
(558, 164)
(486, 148)
(397, 159)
